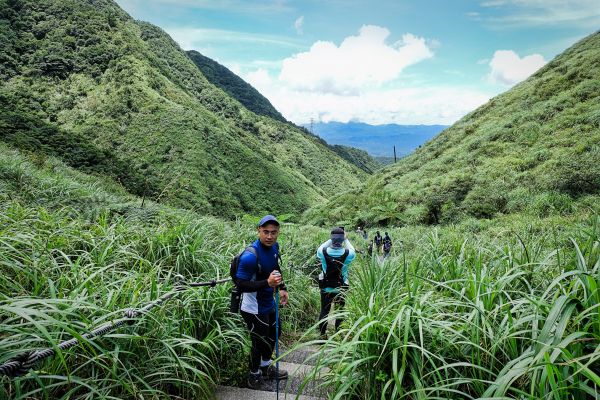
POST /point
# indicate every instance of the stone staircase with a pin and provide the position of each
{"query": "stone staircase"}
(298, 365)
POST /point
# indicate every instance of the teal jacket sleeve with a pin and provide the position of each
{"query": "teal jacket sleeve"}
(349, 259)
(320, 255)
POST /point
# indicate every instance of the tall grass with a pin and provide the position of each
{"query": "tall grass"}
(510, 317)
(485, 309)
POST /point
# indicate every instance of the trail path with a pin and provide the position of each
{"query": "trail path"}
(298, 366)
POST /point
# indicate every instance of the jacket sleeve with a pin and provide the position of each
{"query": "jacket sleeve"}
(321, 257)
(282, 286)
(349, 259)
(246, 272)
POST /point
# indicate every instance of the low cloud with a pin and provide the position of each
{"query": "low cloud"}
(508, 68)
(432, 105)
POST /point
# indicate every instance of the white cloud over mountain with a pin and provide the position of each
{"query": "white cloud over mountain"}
(361, 79)
(508, 68)
(357, 64)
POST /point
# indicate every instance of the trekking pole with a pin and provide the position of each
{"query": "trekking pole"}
(277, 339)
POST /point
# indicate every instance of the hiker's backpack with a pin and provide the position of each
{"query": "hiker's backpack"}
(236, 293)
(387, 245)
(235, 263)
(333, 275)
(378, 240)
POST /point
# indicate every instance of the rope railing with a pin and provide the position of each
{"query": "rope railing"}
(21, 364)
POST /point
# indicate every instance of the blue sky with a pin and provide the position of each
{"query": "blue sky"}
(405, 62)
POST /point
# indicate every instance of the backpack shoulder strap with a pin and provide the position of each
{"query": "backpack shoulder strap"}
(344, 256)
(252, 250)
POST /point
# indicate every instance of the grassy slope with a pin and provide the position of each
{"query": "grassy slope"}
(130, 90)
(235, 86)
(533, 149)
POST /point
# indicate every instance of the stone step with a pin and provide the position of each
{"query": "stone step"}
(235, 393)
(301, 355)
(291, 386)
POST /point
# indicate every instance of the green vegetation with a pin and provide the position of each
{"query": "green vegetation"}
(235, 86)
(358, 157)
(533, 150)
(77, 249)
(126, 90)
(499, 308)
(243, 92)
(500, 301)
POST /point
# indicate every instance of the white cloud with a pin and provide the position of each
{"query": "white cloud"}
(362, 80)
(360, 62)
(298, 24)
(233, 6)
(431, 105)
(508, 68)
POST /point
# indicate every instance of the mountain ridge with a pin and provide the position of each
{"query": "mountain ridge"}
(127, 87)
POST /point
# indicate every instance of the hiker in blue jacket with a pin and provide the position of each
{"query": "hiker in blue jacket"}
(335, 255)
(257, 278)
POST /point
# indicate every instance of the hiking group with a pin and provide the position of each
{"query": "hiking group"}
(256, 273)
(383, 245)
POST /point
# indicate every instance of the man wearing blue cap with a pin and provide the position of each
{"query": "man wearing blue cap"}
(335, 255)
(258, 275)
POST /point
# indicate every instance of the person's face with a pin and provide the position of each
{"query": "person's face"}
(268, 234)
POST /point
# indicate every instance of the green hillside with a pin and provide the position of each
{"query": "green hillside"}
(534, 150)
(235, 86)
(77, 72)
(358, 157)
(246, 94)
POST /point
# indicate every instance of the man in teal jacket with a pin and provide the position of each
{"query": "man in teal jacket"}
(335, 255)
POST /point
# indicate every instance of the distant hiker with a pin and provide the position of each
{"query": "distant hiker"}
(258, 275)
(387, 245)
(370, 248)
(335, 260)
(359, 231)
(365, 234)
(378, 241)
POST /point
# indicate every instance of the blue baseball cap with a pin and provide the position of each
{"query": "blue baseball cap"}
(268, 219)
(337, 237)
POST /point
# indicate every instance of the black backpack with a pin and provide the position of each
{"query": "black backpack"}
(333, 275)
(235, 263)
(236, 293)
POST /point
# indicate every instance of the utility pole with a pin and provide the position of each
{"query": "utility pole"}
(394, 154)
(312, 120)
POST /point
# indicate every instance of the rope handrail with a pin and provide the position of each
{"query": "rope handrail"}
(21, 364)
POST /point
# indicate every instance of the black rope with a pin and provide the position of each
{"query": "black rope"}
(21, 364)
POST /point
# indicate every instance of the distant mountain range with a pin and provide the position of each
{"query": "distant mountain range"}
(377, 140)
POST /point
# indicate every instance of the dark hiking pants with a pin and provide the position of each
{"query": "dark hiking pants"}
(262, 334)
(326, 300)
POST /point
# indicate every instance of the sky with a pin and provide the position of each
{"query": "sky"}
(375, 61)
